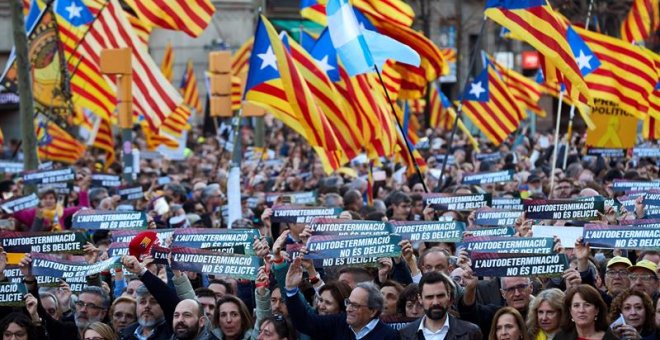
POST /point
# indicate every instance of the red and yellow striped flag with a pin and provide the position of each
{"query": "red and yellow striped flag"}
(189, 16)
(177, 121)
(651, 130)
(105, 141)
(2, 138)
(189, 88)
(536, 23)
(526, 91)
(641, 22)
(55, 144)
(167, 65)
(240, 61)
(397, 12)
(156, 139)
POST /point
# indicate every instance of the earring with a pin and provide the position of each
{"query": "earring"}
(572, 320)
(596, 318)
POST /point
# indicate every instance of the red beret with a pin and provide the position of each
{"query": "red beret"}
(141, 244)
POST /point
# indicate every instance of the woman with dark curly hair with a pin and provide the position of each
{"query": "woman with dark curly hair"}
(408, 304)
(636, 307)
(19, 326)
(585, 316)
(276, 328)
(331, 298)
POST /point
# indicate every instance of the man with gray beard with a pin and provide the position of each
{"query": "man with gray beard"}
(151, 323)
(92, 306)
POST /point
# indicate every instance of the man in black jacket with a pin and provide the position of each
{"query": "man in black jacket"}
(436, 297)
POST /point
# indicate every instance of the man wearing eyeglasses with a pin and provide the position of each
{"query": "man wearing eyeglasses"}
(515, 290)
(361, 320)
(643, 276)
(92, 306)
(616, 278)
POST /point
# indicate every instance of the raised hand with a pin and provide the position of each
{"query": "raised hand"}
(295, 274)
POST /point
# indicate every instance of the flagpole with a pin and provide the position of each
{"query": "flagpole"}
(459, 109)
(556, 141)
(569, 131)
(403, 133)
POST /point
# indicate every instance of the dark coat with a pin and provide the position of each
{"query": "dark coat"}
(161, 332)
(572, 335)
(331, 326)
(458, 330)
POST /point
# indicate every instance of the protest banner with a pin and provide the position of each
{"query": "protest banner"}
(433, 231)
(43, 242)
(488, 157)
(324, 247)
(211, 262)
(503, 265)
(491, 231)
(76, 284)
(11, 167)
(56, 267)
(205, 238)
(11, 294)
(294, 251)
(622, 236)
(131, 193)
(621, 185)
(492, 217)
(451, 160)
(614, 127)
(340, 227)
(45, 166)
(300, 198)
(567, 235)
(20, 203)
(481, 178)
(126, 235)
(60, 188)
(606, 152)
(118, 249)
(109, 220)
(105, 180)
(398, 323)
(49, 176)
(457, 202)
(13, 273)
(299, 214)
(508, 245)
(609, 202)
(638, 152)
(645, 223)
(652, 197)
(563, 209)
(507, 203)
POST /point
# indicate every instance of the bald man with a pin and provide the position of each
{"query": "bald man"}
(188, 322)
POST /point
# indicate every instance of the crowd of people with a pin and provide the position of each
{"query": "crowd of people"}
(429, 292)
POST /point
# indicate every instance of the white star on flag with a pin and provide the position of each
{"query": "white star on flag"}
(74, 11)
(324, 65)
(268, 59)
(476, 89)
(583, 60)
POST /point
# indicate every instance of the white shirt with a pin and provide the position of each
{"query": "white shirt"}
(365, 330)
(439, 335)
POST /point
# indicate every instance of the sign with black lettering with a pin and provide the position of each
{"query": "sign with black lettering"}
(106, 180)
(126, 235)
(131, 194)
(481, 178)
(298, 214)
(205, 238)
(491, 231)
(11, 294)
(457, 202)
(503, 265)
(620, 185)
(496, 217)
(340, 227)
(53, 266)
(563, 209)
(11, 167)
(488, 157)
(324, 247)
(300, 198)
(109, 220)
(20, 203)
(646, 152)
(507, 203)
(508, 245)
(607, 152)
(49, 176)
(622, 236)
(433, 231)
(211, 262)
(43, 242)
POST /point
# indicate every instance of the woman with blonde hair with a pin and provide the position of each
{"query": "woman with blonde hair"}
(98, 330)
(545, 313)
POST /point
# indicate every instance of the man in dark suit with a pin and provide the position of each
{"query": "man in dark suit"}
(363, 307)
(436, 296)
